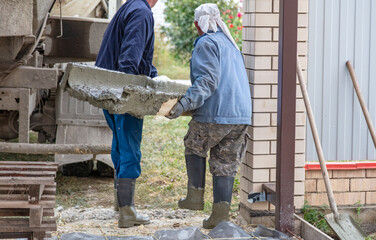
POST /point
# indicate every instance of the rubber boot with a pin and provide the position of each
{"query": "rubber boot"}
(128, 216)
(116, 204)
(196, 167)
(222, 194)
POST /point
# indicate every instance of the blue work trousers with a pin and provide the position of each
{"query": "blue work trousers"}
(126, 143)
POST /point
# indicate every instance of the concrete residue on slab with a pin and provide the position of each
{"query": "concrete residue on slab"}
(119, 92)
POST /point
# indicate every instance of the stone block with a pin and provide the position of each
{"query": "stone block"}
(265, 105)
(263, 161)
(338, 185)
(260, 119)
(264, 133)
(264, 20)
(363, 184)
(256, 62)
(257, 5)
(316, 174)
(299, 174)
(263, 77)
(264, 48)
(371, 173)
(300, 160)
(259, 147)
(299, 188)
(371, 198)
(299, 202)
(257, 34)
(260, 91)
(361, 173)
(310, 185)
(344, 198)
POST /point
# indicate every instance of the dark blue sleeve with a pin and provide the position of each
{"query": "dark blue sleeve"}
(137, 31)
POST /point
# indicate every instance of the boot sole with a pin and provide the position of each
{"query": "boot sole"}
(129, 224)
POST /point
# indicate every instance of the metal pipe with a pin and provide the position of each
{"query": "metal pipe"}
(26, 148)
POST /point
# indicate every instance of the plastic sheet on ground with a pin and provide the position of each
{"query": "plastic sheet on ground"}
(229, 230)
(191, 233)
(269, 234)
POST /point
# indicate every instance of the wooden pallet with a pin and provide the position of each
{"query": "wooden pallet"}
(27, 199)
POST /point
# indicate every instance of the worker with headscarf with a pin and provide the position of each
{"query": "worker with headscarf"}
(128, 46)
(220, 102)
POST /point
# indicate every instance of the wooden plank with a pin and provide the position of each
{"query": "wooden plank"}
(35, 219)
(28, 173)
(28, 163)
(26, 180)
(24, 197)
(47, 212)
(27, 168)
(38, 235)
(23, 204)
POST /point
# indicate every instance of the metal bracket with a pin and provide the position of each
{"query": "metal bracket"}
(257, 197)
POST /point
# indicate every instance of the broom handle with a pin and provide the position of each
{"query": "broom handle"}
(362, 102)
(315, 134)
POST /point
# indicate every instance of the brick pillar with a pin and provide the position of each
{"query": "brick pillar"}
(260, 49)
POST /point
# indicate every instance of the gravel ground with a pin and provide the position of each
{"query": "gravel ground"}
(103, 221)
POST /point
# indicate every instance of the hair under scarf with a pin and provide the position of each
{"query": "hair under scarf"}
(208, 17)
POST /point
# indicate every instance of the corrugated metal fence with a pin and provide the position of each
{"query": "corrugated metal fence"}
(341, 30)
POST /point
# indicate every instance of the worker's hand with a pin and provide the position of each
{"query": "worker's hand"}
(176, 111)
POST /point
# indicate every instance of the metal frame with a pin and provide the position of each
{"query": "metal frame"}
(288, 19)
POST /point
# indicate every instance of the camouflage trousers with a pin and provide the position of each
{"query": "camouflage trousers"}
(226, 143)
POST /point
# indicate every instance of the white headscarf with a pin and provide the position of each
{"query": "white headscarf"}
(207, 15)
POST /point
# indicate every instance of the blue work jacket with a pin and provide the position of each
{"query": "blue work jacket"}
(128, 43)
(220, 90)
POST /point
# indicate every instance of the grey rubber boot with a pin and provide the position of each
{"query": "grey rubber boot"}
(196, 167)
(128, 216)
(222, 194)
(116, 204)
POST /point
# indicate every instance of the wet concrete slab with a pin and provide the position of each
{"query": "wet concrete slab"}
(122, 93)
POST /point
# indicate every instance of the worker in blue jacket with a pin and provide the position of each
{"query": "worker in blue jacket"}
(220, 102)
(128, 46)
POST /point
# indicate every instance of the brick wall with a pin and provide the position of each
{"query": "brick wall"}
(260, 49)
(350, 186)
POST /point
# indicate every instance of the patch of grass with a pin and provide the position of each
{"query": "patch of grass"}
(166, 63)
(315, 216)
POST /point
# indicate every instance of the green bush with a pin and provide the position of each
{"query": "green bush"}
(181, 31)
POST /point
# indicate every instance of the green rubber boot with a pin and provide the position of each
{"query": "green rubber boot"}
(220, 212)
(194, 199)
(128, 216)
(196, 167)
(222, 194)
